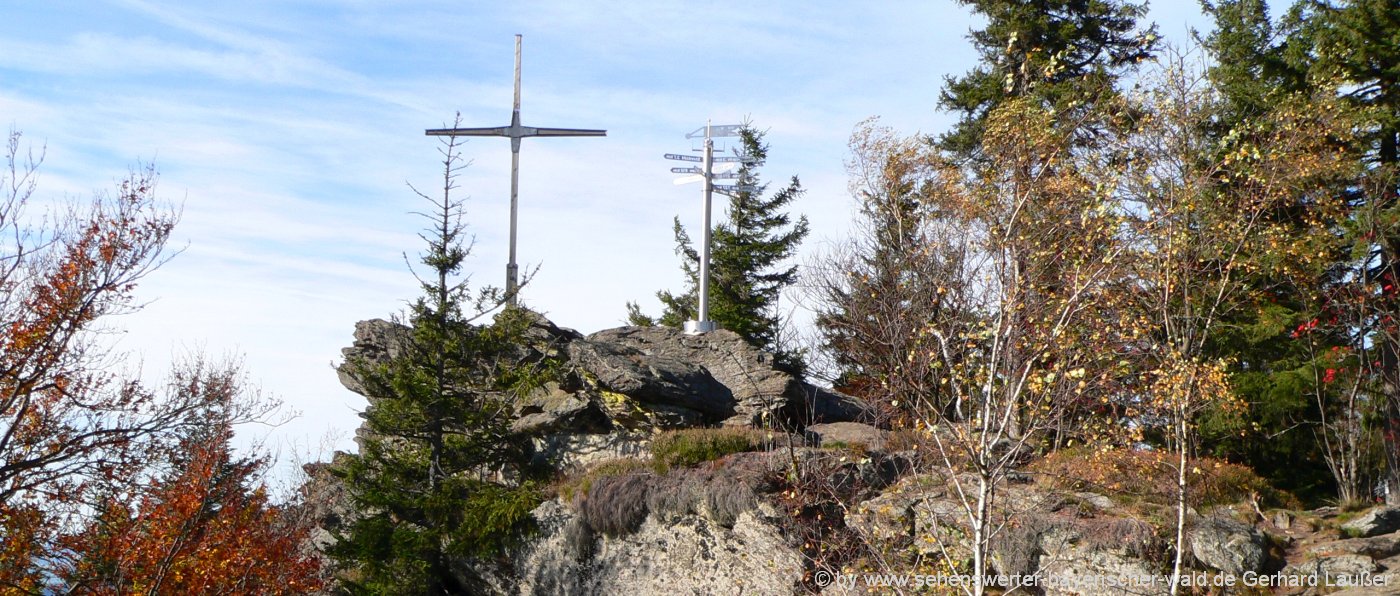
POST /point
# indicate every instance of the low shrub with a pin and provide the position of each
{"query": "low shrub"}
(1151, 476)
(692, 446)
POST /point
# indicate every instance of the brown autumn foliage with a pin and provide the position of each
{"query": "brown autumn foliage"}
(104, 482)
(68, 426)
(1149, 476)
(206, 524)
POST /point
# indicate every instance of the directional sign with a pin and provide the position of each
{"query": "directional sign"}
(727, 176)
(729, 159)
(688, 179)
(687, 171)
(694, 158)
(730, 188)
(727, 130)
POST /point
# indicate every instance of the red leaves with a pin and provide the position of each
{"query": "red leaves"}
(207, 527)
(1304, 329)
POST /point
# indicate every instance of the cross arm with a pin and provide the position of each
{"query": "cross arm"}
(495, 131)
(569, 132)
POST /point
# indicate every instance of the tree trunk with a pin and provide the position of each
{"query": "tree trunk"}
(1181, 448)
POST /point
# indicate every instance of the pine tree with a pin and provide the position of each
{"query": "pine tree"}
(429, 480)
(747, 257)
(1067, 54)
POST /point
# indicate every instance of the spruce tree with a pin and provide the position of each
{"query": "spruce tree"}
(429, 483)
(1067, 54)
(1258, 63)
(748, 253)
(1357, 43)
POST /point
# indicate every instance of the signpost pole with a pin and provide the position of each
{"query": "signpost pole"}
(705, 173)
(703, 322)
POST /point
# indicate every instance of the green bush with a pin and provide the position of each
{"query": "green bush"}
(689, 447)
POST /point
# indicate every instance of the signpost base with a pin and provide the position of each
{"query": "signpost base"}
(698, 327)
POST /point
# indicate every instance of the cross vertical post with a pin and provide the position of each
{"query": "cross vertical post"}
(515, 132)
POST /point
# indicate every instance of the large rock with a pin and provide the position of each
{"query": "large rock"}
(1229, 546)
(376, 341)
(1044, 537)
(552, 409)
(816, 405)
(1376, 547)
(832, 434)
(686, 555)
(644, 363)
(1340, 569)
(719, 372)
(1381, 520)
(1070, 566)
(579, 450)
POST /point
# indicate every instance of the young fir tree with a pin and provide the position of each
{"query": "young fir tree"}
(429, 483)
(747, 256)
(1067, 54)
(876, 293)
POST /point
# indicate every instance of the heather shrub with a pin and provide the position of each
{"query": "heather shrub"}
(616, 505)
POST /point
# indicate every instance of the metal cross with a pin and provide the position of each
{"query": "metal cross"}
(516, 132)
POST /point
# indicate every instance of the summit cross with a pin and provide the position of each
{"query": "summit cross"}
(515, 132)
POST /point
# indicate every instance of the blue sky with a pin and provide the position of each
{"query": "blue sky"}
(287, 132)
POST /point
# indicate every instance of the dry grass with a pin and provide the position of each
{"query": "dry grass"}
(615, 497)
(572, 488)
(694, 446)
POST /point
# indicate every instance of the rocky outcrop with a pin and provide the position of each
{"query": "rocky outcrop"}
(734, 525)
(684, 555)
(1381, 520)
(615, 387)
(639, 363)
(376, 341)
(642, 378)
